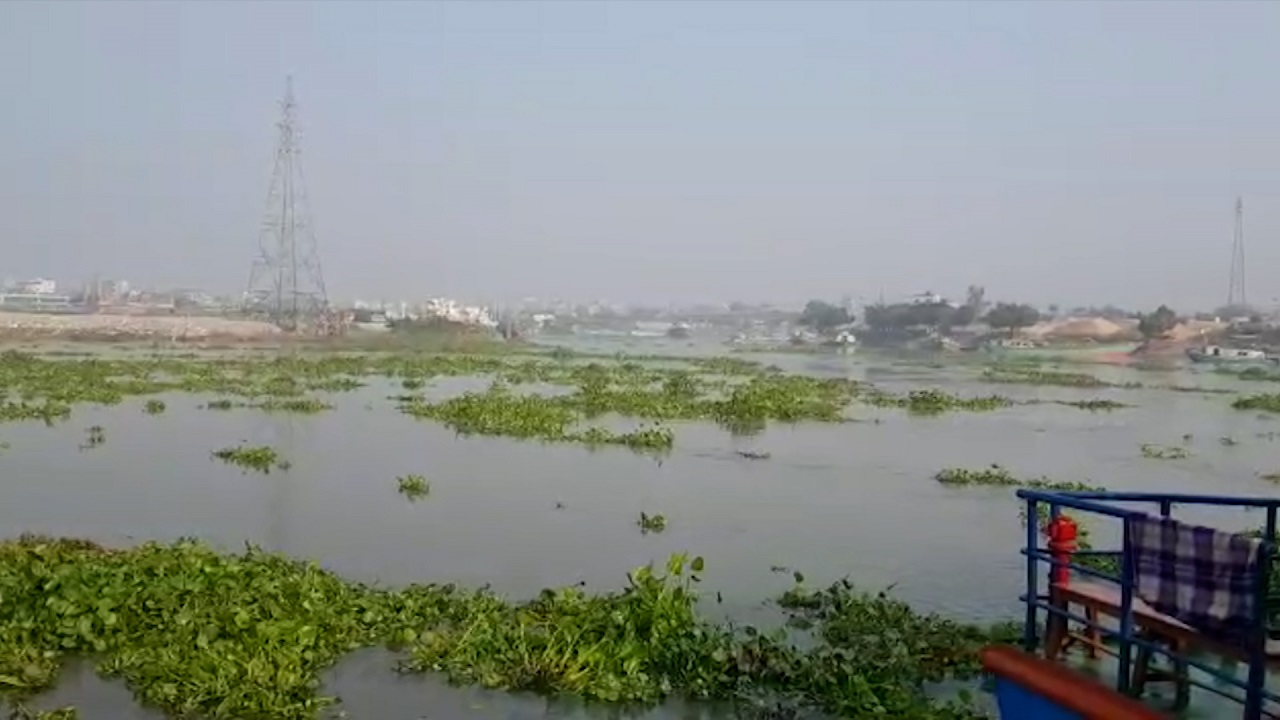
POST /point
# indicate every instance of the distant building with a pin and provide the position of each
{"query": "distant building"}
(38, 286)
(927, 297)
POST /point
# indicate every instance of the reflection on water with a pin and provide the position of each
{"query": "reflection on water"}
(853, 500)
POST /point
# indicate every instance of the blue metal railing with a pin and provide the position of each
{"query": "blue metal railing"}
(1108, 504)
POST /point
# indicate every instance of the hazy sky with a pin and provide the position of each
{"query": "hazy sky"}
(1063, 152)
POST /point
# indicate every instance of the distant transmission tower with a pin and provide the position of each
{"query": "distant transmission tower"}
(286, 286)
(1236, 295)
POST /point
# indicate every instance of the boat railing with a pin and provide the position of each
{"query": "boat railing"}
(1124, 507)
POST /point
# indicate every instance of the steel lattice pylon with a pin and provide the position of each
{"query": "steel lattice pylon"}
(1236, 295)
(286, 285)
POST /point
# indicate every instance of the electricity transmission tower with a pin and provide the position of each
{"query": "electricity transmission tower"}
(1236, 295)
(286, 286)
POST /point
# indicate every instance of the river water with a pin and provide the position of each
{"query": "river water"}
(856, 500)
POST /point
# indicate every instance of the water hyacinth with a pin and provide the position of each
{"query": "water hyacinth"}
(197, 632)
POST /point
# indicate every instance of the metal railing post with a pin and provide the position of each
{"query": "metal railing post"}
(1126, 610)
(1033, 542)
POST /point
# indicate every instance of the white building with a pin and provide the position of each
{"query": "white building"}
(38, 286)
(454, 311)
(928, 297)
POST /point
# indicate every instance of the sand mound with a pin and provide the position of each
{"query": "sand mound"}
(1083, 328)
(176, 327)
(1195, 330)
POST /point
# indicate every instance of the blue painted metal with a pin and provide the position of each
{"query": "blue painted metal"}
(1111, 504)
(1019, 703)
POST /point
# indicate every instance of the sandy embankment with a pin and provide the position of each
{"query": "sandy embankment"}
(22, 326)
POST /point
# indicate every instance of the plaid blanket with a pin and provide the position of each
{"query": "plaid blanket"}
(1204, 577)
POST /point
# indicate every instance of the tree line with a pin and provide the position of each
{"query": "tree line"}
(825, 317)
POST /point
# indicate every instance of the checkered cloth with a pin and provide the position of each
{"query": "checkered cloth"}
(1204, 577)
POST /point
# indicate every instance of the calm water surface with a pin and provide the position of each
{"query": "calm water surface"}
(856, 500)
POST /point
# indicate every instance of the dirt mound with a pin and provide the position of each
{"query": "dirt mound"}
(1161, 348)
(1082, 328)
(1199, 330)
(108, 327)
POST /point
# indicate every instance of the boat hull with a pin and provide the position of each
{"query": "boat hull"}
(1017, 702)
(1203, 359)
(1032, 688)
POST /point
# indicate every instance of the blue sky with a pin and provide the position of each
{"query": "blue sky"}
(1064, 152)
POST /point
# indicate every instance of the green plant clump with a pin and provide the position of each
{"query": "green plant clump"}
(153, 407)
(94, 437)
(651, 523)
(1164, 452)
(1094, 405)
(1036, 376)
(1266, 402)
(935, 402)
(998, 476)
(413, 486)
(262, 458)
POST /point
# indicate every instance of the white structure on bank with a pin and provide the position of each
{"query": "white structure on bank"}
(454, 311)
(38, 286)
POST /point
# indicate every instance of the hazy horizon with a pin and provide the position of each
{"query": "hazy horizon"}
(1069, 153)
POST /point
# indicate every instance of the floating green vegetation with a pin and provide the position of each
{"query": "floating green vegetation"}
(935, 402)
(1255, 373)
(1021, 375)
(633, 392)
(262, 458)
(1196, 389)
(1036, 376)
(739, 395)
(1164, 452)
(868, 636)
(651, 523)
(413, 486)
(305, 406)
(1228, 441)
(752, 455)
(153, 407)
(646, 438)
(1095, 405)
(48, 412)
(94, 437)
(1267, 402)
(302, 406)
(198, 633)
(1270, 477)
(999, 476)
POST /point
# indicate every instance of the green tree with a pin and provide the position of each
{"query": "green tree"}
(823, 316)
(1158, 323)
(911, 315)
(1012, 316)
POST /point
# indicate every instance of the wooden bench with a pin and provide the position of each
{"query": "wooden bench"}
(1151, 625)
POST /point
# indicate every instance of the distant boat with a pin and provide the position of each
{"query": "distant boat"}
(844, 340)
(679, 330)
(1218, 354)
